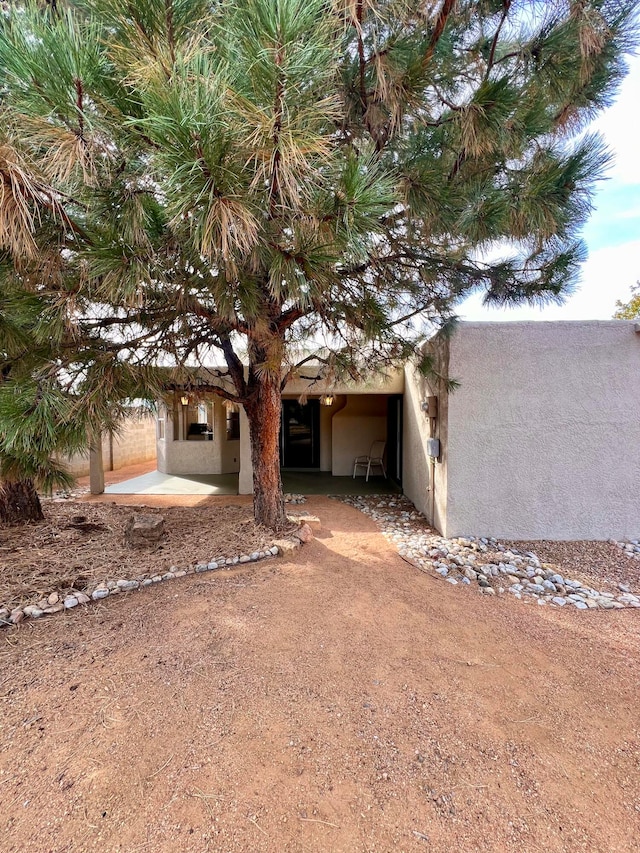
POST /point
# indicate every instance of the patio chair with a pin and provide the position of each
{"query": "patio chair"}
(371, 460)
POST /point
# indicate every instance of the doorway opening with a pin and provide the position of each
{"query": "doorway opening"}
(394, 438)
(300, 435)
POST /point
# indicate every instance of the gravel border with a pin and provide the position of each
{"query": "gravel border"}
(485, 563)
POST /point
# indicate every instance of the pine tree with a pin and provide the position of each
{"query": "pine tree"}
(253, 180)
(42, 418)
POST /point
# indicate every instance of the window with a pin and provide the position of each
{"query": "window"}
(160, 427)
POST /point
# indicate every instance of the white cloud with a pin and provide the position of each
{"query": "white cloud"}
(619, 124)
(622, 215)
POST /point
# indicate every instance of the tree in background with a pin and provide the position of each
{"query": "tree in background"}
(629, 310)
(260, 182)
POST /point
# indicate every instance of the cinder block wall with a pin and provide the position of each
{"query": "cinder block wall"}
(135, 443)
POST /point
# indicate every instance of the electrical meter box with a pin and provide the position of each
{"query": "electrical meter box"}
(430, 407)
(433, 447)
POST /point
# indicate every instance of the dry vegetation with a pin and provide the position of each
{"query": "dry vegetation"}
(80, 544)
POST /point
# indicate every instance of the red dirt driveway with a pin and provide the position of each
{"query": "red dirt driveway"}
(337, 701)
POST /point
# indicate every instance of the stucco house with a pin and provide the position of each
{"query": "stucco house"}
(540, 439)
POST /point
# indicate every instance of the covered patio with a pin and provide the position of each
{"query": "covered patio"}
(203, 446)
(294, 482)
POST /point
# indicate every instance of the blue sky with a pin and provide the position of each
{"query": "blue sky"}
(613, 231)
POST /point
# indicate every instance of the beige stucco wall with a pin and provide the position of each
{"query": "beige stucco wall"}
(229, 462)
(327, 413)
(391, 383)
(544, 431)
(188, 457)
(424, 480)
(361, 421)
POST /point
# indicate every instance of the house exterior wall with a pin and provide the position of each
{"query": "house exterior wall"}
(176, 455)
(327, 413)
(355, 427)
(393, 383)
(229, 448)
(188, 457)
(424, 480)
(230, 456)
(544, 431)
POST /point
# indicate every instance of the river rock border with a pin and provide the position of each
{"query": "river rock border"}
(290, 498)
(521, 575)
(631, 547)
(56, 603)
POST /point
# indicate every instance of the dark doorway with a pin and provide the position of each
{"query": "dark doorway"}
(394, 438)
(300, 435)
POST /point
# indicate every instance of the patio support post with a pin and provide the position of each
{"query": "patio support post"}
(245, 477)
(96, 467)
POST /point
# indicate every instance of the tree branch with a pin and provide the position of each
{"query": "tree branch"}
(441, 23)
(236, 368)
(506, 5)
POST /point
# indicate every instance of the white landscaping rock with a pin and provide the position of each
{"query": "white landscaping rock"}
(457, 560)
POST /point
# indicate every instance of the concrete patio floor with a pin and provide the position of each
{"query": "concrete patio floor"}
(323, 483)
(296, 482)
(157, 483)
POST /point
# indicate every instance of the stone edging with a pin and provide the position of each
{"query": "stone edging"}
(55, 604)
(631, 547)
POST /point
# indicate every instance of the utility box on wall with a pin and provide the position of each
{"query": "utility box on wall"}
(433, 447)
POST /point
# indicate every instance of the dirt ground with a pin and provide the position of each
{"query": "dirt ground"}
(337, 701)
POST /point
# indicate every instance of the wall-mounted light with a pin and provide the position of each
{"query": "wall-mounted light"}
(184, 400)
(326, 400)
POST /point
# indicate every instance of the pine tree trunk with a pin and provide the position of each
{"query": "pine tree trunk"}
(263, 412)
(19, 502)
